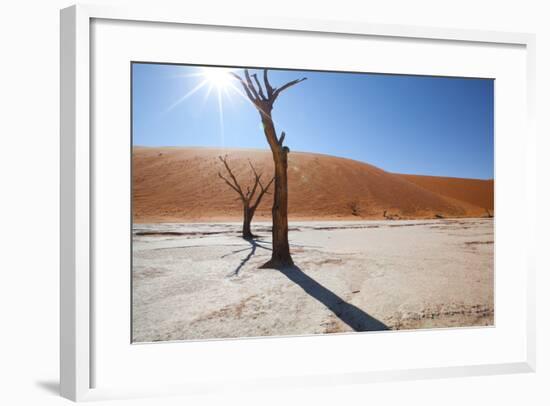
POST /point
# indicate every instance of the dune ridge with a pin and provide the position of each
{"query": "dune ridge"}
(172, 184)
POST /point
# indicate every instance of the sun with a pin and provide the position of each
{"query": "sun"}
(218, 82)
(217, 77)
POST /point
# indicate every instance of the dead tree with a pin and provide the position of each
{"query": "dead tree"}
(263, 100)
(390, 216)
(250, 200)
(354, 207)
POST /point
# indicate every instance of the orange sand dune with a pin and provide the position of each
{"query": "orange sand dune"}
(478, 192)
(181, 184)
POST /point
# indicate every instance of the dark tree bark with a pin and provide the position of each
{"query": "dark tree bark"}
(263, 101)
(247, 219)
(249, 199)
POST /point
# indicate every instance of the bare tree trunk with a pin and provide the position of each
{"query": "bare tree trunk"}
(281, 250)
(247, 219)
(280, 256)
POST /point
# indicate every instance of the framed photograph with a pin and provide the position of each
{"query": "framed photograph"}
(291, 202)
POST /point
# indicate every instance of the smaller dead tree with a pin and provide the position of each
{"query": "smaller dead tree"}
(390, 216)
(251, 198)
(355, 207)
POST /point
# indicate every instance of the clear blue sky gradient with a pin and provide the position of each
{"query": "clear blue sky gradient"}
(402, 124)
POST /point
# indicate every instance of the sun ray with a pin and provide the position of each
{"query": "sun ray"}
(220, 110)
(206, 95)
(215, 79)
(187, 95)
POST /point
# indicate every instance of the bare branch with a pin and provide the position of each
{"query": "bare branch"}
(286, 86)
(253, 169)
(256, 179)
(235, 185)
(250, 84)
(260, 91)
(268, 87)
(253, 189)
(231, 186)
(261, 104)
(245, 87)
(263, 191)
(282, 138)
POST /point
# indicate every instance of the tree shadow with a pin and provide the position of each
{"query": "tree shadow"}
(254, 244)
(353, 316)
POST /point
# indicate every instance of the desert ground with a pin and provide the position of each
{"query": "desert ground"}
(202, 280)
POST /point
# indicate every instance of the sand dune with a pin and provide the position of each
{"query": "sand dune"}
(181, 184)
(478, 192)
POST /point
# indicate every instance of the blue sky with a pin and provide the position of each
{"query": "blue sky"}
(402, 124)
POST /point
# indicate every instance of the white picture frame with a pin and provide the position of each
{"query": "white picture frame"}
(77, 247)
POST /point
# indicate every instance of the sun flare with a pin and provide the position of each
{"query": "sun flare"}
(214, 81)
(217, 77)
